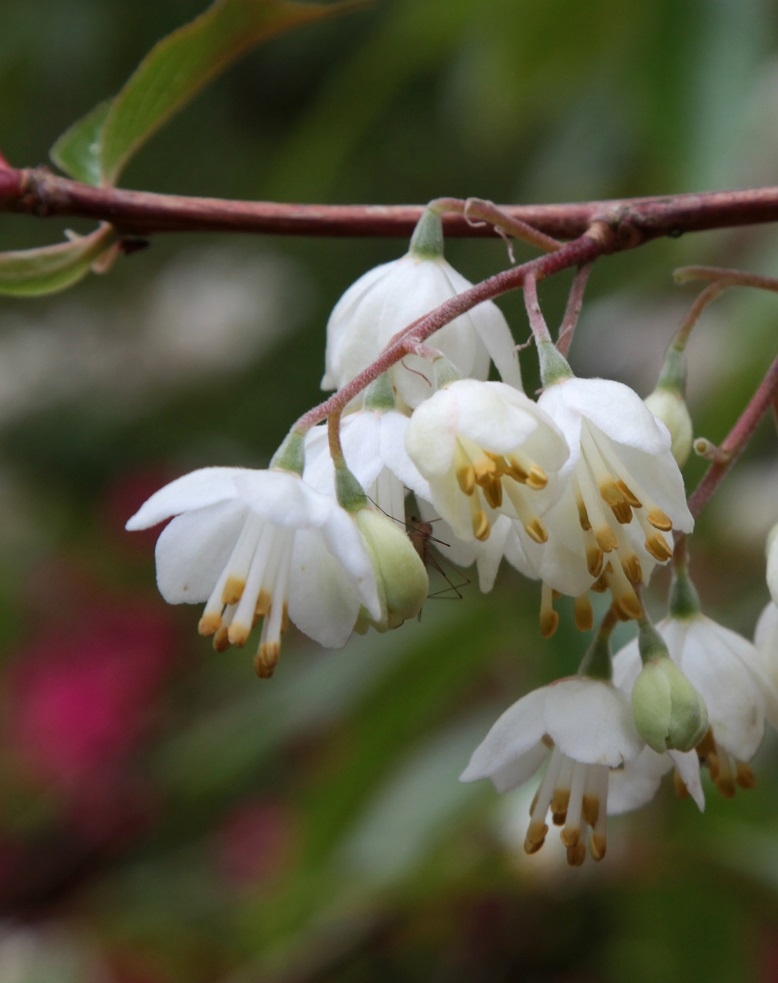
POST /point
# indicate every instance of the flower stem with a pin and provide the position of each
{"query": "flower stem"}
(736, 439)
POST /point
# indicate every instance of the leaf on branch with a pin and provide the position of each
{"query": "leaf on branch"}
(31, 272)
(97, 147)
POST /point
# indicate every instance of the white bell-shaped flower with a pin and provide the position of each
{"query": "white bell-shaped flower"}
(726, 670)
(487, 450)
(255, 545)
(584, 727)
(391, 297)
(624, 493)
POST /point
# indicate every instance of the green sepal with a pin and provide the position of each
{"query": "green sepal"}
(427, 238)
(684, 599)
(351, 495)
(598, 663)
(290, 456)
(379, 395)
(554, 366)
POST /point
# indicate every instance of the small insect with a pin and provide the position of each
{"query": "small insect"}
(420, 534)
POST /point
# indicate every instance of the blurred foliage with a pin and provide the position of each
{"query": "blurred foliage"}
(167, 818)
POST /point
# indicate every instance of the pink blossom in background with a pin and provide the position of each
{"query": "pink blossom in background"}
(80, 695)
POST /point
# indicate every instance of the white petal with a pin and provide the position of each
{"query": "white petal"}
(637, 782)
(193, 549)
(687, 764)
(717, 663)
(192, 491)
(591, 721)
(772, 563)
(513, 742)
(322, 601)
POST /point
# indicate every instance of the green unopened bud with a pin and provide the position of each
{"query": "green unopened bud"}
(401, 576)
(670, 407)
(669, 713)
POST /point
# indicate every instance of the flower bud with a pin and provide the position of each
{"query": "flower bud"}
(669, 406)
(401, 576)
(669, 713)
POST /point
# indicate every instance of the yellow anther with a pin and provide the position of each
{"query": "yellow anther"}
(481, 525)
(221, 640)
(515, 469)
(209, 624)
(536, 531)
(233, 590)
(630, 496)
(263, 603)
(238, 633)
(466, 479)
(597, 846)
(537, 478)
(590, 809)
(584, 614)
(549, 622)
(659, 520)
(535, 838)
(266, 659)
(744, 776)
(492, 490)
(606, 539)
(594, 560)
(609, 491)
(622, 513)
(658, 548)
(632, 569)
(570, 836)
(583, 515)
(576, 854)
(560, 800)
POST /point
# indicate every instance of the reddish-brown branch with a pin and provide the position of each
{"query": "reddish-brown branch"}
(38, 192)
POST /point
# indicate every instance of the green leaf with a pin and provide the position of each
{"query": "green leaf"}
(31, 272)
(77, 151)
(97, 147)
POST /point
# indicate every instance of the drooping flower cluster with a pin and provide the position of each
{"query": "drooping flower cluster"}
(579, 489)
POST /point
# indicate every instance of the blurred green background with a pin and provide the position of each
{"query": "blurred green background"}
(164, 816)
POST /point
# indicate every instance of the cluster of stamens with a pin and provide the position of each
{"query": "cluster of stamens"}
(576, 794)
(487, 479)
(726, 772)
(252, 587)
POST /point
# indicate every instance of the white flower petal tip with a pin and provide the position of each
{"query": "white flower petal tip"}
(486, 451)
(391, 297)
(624, 493)
(260, 546)
(584, 728)
(772, 563)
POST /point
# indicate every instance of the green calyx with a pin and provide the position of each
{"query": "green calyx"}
(379, 395)
(597, 663)
(553, 364)
(290, 456)
(350, 494)
(673, 374)
(427, 238)
(684, 599)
